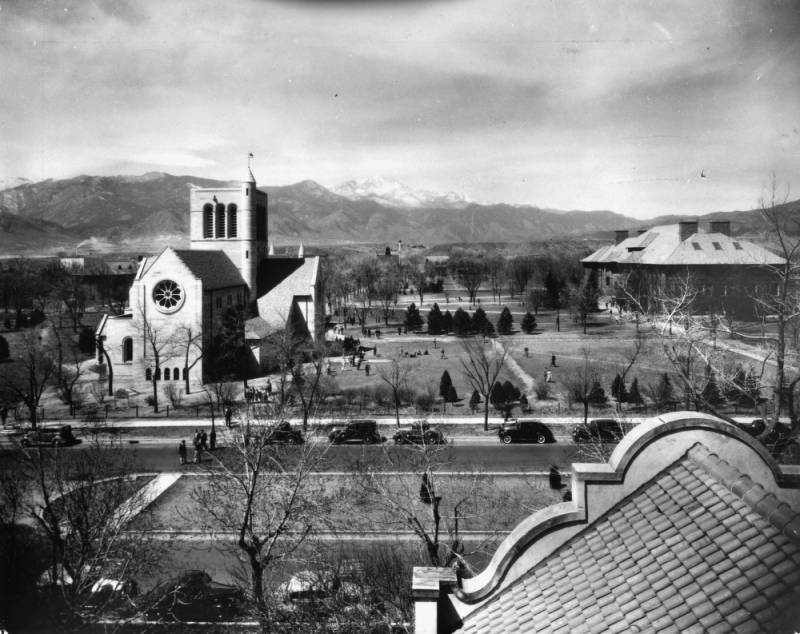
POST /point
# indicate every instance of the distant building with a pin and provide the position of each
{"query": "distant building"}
(183, 300)
(725, 269)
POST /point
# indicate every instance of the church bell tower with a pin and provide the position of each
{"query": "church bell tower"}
(233, 220)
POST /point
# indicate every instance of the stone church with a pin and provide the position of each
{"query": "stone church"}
(181, 299)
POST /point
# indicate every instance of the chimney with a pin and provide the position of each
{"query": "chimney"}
(687, 228)
(620, 235)
(721, 226)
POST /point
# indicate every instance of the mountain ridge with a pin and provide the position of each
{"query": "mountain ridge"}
(152, 209)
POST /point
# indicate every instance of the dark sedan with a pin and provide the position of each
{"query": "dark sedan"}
(419, 434)
(525, 430)
(283, 434)
(49, 437)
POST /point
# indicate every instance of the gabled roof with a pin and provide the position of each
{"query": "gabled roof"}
(699, 546)
(275, 306)
(214, 268)
(662, 246)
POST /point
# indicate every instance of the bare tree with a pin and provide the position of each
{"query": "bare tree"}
(159, 343)
(31, 374)
(481, 367)
(191, 340)
(267, 498)
(470, 271)
(579, 383)
(395, 375)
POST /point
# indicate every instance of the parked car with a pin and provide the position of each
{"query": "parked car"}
(364, 431)
(598, 430)
(193, 596)
(49, 437)
(525, 430)
(282, 433)
(418, 434)
(754, 427)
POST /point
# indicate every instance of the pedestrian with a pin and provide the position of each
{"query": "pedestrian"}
(549, 378)
(553, 360)
(197, 450)
(442, 353)
(182, 451)
(212, 440)
(544, 373)
(366, 369)
(196, 437)
(204, 440)
(228, 416)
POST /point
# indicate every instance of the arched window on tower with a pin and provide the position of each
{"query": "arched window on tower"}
(208, 221)
(232, 221)
(127, 350)
(219, 221)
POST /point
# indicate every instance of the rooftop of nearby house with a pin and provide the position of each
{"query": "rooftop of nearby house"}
(682, 244)
(691, 526)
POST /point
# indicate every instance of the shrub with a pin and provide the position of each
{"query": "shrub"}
(597, 395)
(424, 401)
(505, 322)
(474, 400)
(435, 321)
(542, 390)
(528, 323)
(445, 383)
(150, 400)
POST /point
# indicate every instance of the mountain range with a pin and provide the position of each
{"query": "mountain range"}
(145, 213)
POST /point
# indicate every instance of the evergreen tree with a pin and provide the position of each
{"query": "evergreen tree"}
(488, 329)
(634, 395)
(86, 341)
(479, 321)
(666, 394)
(528, 323)
(452, 395)
(497, 396)
(4, 351)
(523, 402)
(711, 393)
(447, 322)
(505, 322)
(597, 395)
(474, 400)
(435, 321)
(413, 320)
(511, 393)
(618, 390)
(444, 384)
(37, 317)
(461, 323)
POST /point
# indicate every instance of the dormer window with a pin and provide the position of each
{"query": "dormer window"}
(717, 246)
(697, 246)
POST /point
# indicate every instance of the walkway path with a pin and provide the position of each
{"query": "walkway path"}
(144, 497)
(528, 382)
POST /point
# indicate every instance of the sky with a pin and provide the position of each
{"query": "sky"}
(643, 108)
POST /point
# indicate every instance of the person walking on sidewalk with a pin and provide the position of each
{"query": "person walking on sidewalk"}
(182, 451)
(228, 416)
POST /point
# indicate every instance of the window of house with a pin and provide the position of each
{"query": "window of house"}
(737, 246)
(232, 220)
(127, 350)
(158, 374)
(208, 221)
(219, 221)
(148, 374)
(697, 246)
(166, 374)
(717, 246)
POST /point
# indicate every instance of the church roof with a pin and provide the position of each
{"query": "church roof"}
(299, 283)
(214, 268)
(700, 546)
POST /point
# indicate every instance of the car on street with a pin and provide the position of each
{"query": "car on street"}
(193, 596)
(753, 427)
(420, 433)
(283, 434)
(598, 430)
(525, 430)
(49, 437)
(356, 431)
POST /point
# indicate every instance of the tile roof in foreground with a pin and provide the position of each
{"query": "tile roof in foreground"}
(701, 546)
(691, 526)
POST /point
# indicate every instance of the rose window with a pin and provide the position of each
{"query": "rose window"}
(168, 296)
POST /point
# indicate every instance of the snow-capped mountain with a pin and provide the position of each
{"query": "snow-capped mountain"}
(395, 194)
